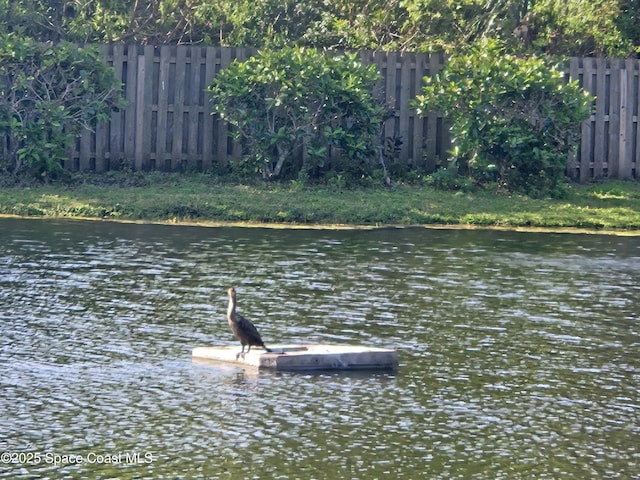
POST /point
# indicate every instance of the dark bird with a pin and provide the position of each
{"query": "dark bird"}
(243, 329)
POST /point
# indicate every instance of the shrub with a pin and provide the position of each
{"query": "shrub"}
(514, 120)
(293, 106)
(47, 94)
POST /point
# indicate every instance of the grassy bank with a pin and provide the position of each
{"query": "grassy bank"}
(202, 198)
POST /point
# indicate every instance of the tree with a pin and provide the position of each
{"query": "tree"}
(514, 119)
(293, 106)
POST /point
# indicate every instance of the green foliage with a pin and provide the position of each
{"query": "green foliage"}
(514, 120)
(448, 25)
(569, 27)
(357, 24)
(90, 21)
(47, 94)
(581, 27)
(257, 22)
(293, 106)
(628, 23)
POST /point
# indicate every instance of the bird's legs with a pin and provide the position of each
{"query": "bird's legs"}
(241, 352)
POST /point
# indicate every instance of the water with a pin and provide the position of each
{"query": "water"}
(519, 353)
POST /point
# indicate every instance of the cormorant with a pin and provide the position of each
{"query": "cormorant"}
(243, 329)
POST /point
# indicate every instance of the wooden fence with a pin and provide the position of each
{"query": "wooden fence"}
(167, 123)
(610, 146)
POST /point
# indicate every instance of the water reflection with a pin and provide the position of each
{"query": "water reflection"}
(519, 352)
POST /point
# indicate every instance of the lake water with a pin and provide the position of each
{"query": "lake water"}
(519, 353)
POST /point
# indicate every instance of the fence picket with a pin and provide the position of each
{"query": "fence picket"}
(625, 122)
(208, 137)
(633, 160)
(116, 143)
(588, 130)
(615, 109)
(131, 63)
(223, 61)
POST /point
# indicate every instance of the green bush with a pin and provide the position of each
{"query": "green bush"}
(296, 108)
(514, 120)
(48, 93)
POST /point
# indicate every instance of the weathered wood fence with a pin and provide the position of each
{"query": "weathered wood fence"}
(167, 123)
(610, 146)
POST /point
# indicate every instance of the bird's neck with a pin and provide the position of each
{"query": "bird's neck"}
(232, 306)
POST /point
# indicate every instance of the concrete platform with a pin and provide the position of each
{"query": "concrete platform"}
(304, 357)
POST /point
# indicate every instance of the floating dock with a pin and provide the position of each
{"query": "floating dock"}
(304, 357)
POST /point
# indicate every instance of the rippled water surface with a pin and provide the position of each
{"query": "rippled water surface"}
(519, 353)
